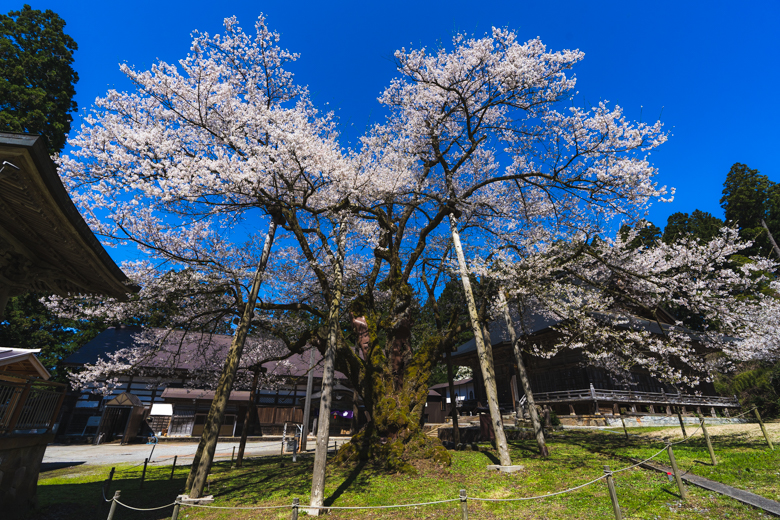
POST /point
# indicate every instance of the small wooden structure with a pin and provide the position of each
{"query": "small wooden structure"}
(121, 419)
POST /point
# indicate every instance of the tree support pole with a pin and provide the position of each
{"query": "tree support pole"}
(771, 238)
(707, 439)
(763, 429)
(204, 456)
(484, 353)
(323, 424)
(521, 372)
(251, 413)
(307, 402)
(453, 399)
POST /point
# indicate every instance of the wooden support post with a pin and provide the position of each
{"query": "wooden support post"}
(763, 429)
(682, 425)
(176, 505)
(712, 411)
(677, 477)
(143, 474)
(623, 422)
(295, 504)
(668, 410)
(173, 468)
(613, 493)
(652, 409)
(464, 510)
(571, 410)
(707, 439)
(233, 457)
(113, 505)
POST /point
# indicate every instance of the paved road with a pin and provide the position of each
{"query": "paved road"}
(105, 454)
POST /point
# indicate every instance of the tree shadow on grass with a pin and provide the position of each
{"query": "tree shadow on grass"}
(351, 479)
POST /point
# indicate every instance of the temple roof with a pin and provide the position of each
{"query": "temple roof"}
(45, 245)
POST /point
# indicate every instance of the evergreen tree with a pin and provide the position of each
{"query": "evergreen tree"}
(29, 324)
(699, 224)
(748, 198)
(37, 81)
(649, 234)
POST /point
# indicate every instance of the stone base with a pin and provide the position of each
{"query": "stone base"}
(505, 469)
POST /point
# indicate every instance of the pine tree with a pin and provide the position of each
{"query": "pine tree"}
(748, 198)
(37, 81)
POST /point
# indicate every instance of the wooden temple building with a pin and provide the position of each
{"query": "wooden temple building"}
(575, 389)
(174, 406)
(46, 247)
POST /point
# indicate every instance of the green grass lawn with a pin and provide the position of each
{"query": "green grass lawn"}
(576, 457)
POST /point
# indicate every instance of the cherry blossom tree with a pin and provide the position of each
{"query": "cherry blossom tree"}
(609, 298)
(496, 138)
(181, 164)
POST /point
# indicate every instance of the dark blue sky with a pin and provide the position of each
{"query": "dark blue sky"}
(708, 69)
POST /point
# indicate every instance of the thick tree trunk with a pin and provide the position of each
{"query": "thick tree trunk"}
(484, 354)
(453, 399)
(204, 455)
(326, 392)
(307, 402)
(529, 395)
(249, 419)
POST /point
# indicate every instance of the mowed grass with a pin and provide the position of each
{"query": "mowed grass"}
(576, 457)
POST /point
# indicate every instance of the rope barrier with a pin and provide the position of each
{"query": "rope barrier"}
(386, 507)
(234, 507)
(435, 502)
(144, 509)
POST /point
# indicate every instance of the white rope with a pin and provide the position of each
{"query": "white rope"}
(234, 507)
(385, 507)
(640, 463)
(144, 509)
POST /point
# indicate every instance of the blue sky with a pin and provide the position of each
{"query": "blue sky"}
(708, 69)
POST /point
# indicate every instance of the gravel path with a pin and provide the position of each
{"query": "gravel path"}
(105, 454)
(747, 431)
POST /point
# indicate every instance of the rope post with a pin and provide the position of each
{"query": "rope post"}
(143, 474)
(233, 456)
(106, 487)
(763, 429)
(677, 477)
(464, 510)
(613, 493)
(709, 443)
(294, 514)
(682, 424)
(113, 505)
(176, 505)
(173, 468)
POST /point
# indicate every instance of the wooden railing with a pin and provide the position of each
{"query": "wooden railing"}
(630, 396)
(30, 407)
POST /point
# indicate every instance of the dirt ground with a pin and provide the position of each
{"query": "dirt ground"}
(742, 430)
